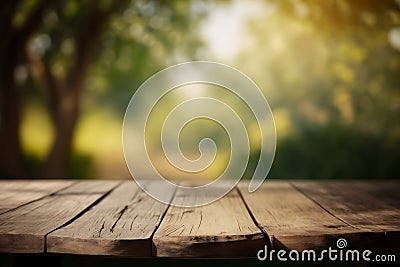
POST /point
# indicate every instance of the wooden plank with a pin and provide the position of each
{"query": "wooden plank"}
(90, 187)
(14, 193)
(120, 225)
(33, 185)
(222, 229)
(368, 206)
(23, 230)
(385, 192)
(292, 220)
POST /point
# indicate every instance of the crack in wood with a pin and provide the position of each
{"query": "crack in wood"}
(101, 228)
(120, 213)
(38, 199)
(79, 214)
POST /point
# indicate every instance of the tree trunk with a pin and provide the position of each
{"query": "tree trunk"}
(65, 118)
(12, 53)
(65, 95)
(11, 160)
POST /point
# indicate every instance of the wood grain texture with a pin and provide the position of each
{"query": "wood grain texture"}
(14, 193)
(115, 218)
(371, 207)
(23, 230)
(367, 206)
(90, 187)
(222, 229)
(292, 220)
(122, 224)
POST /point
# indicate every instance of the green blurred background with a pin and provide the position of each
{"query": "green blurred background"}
(330, 71)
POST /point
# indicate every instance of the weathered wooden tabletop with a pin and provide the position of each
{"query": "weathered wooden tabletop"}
(115, 218)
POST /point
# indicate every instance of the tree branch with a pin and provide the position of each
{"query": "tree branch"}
(87, 40)
(51, 86)
(31, 24)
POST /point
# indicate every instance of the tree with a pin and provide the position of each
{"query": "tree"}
(12, 54)
(35, 60)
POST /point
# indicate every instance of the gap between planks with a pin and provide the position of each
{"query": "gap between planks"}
(23, 194)
(308, 200)
(80, 213)
(262, 230)
(371, 207)
(292, 220)
(122, 224)
(221, 229)
(319, 204)
(153, 249)
(23, 230)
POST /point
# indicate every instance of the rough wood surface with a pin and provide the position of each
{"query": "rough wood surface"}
(372, 207)
(14, 193)
(23, 230)
(89, 187)
(116, 218)
(120, 225)
(222, 229)
(367, 206)
(292, 220)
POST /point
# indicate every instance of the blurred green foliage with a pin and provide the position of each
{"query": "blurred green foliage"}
(329, 69)
(94, 55)
(332, 78)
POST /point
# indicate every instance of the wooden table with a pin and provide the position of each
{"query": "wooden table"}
(115, 218)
